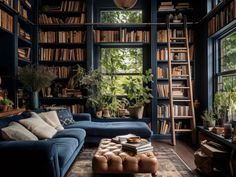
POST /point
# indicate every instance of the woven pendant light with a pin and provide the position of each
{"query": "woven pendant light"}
(125, 4)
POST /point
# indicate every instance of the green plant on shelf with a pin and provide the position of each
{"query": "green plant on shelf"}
(209, 118)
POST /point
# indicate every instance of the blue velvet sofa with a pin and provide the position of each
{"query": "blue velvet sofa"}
(53, 157)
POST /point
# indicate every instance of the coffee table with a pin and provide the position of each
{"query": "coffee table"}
(110, 158)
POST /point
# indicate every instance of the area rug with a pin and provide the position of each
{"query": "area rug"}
(170, 165)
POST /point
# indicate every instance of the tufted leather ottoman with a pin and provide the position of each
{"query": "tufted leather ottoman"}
(110, 158)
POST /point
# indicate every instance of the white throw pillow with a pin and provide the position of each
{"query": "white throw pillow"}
(16, 131)
(52, 119)
(38, 126)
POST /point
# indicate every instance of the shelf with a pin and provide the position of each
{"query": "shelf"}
(183, 130)
(62, 13)
(186, 10)
(6, 31)
(62, 100)
(24, 61)
(24, 20)
(61, 45)
(122, 44)
(172, 43)
(7, 8)
(175, 25)
(183, 117)
(63, 26)
(61, 62)
(24, 41)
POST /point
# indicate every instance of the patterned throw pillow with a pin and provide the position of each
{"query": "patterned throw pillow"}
(65, 117)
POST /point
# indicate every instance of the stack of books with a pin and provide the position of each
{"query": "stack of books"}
(122, 138)
(138, 148)
(166, 6)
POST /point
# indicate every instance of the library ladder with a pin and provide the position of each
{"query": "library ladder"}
(181, 107)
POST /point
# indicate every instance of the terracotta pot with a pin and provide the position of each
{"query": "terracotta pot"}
(136, 111)
(106, 113)
(4, 108)
(99, 114)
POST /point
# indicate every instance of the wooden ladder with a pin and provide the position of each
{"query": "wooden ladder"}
(185, 102)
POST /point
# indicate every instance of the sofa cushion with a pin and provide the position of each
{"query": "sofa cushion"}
(65, 117)
(38, 126)
(111, 129)
(16, 131)
(65, 148)
(77, 133)
(52, 119)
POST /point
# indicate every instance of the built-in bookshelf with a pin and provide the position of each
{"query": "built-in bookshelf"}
(62, 46)
(223, 14)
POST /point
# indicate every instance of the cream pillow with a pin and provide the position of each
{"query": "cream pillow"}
(38, 126)
(16, 131)
(52, 119)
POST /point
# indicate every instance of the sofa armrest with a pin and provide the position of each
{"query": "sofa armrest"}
(21, 158)
(82, 117)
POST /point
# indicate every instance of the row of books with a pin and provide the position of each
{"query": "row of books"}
(67, 6)
(22, 33)
(163, 111)
(169, 6)
(61, 54)
(62, 72)
(44, 19)
(163, 90)
(162, 72)
(162, 54)
(62, 37)
(8, 2)
(222, 18)
(22, 11)
(121, 36)
(181, 110)
(6, 21)
(164, 127)
(162, 35)
(24, 53)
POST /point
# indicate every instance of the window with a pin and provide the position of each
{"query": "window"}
(118, 16)
(226, 75)
(118, 64)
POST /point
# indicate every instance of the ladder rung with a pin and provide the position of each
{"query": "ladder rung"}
(180, 87)
(183, 117)
(178, 51)
(178, 38)
(180, 76)
(178, 48)
(179, 63)
(181, 100)
(183, 130)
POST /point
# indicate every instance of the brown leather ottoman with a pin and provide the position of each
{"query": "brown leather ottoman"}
(110, 158)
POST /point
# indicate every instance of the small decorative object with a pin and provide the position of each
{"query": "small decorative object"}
(134, 139)
(125, 4)
(34, 78)
(99, 114)
(227, 130)
(106, 113)
(5, 104)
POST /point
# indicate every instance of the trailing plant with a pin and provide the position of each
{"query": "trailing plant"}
(75, 80)
(34, 78)
(138, 93)
(6, 102)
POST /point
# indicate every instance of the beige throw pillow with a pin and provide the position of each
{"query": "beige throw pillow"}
(38, 126)
(52, 119)
(16, 131)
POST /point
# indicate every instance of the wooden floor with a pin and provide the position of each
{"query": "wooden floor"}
(183, 149)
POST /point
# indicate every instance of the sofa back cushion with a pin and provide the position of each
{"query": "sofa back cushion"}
(16, 131)
(38, 126)
(52, 119)
(65, 117)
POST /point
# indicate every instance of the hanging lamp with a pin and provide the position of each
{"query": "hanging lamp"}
(125, 4)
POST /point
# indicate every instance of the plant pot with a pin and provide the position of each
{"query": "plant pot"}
(4, 108)
(99, 114)
(207, 124)
(106, 113)
(136, 111)
(35, 100)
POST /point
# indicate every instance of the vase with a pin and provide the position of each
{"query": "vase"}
(35, 100)
(136, 111)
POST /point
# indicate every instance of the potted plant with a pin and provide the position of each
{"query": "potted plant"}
(209, 118)
(34, 78)
(223, 103)
(5, 104)
(138, 93)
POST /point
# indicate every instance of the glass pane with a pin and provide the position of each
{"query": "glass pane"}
(121, 60)
(227, 83)
(114, 83)
(228, 53)
(118, 16)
